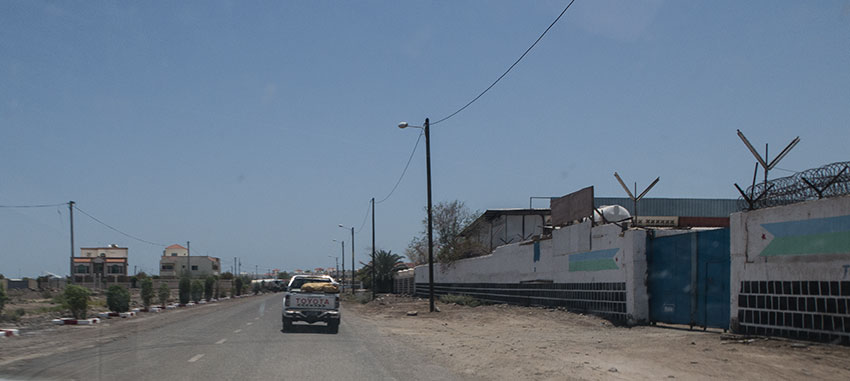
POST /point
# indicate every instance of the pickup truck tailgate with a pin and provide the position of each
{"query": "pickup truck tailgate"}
(313, 301)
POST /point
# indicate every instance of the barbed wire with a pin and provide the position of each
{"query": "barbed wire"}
(831, 180)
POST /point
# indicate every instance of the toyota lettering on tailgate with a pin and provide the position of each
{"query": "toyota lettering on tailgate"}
(311, 302)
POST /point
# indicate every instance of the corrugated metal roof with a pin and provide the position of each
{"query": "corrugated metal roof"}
(691, 207)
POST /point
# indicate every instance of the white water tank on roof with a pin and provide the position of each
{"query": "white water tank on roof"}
(612, 213)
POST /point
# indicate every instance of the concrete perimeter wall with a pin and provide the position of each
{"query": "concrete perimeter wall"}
(789, 271)
(600, 270)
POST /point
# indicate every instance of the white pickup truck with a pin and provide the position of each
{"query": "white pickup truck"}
(310, 307)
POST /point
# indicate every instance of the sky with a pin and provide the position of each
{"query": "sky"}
(253, 129)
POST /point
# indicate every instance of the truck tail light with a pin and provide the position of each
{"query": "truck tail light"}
(286, 301)
(336, 302)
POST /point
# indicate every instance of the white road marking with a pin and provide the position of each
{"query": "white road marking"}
(221, 341)
(248, 323)
(237, 331)
(196, 358)
(257, 318)
(262, 309)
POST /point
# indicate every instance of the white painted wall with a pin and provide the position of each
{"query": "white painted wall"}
(514, 263)
(749, 238)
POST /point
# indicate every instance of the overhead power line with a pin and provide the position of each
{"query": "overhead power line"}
(366, 217)
(119, 231)
(34, 206)
(509, 68)
(409, 159)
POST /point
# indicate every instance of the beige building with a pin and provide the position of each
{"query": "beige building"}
(176, 260)
(101, 262)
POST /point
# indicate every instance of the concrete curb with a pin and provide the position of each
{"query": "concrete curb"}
(72, 321)
(9, 332)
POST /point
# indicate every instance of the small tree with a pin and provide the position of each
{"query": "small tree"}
(197, 290)
(184, 289)
(283, 275)
(237, 284)
(209, 284)
(164, 293)
(3, 297)
(256, 288)
(76, 300)
(147, 292)
(118, 299)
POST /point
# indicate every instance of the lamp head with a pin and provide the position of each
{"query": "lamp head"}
(402, 125)
(340, 225)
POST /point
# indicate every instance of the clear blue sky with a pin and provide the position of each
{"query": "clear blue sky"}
(253, 128)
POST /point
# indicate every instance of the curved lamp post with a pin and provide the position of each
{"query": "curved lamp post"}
(427, 130)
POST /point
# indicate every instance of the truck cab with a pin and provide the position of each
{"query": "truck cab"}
(311, 304)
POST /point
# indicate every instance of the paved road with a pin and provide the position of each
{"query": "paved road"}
(241, 341)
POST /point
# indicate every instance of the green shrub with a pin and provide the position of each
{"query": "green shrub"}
(197, 290)
(238, 286)
(184, 290)
(147, 292)
(118, 299)
(464, 300)
(46, 294)
(164, 293)
(76, 300)
(3, 297)
(209, 284)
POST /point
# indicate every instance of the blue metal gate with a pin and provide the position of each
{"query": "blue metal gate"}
(688, 281)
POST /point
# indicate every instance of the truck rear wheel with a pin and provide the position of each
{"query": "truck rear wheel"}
(333, 326)
(287, 325)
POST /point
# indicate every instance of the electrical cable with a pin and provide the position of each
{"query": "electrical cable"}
(409, 159)
(33, 206)
(125, 234)
(509, 68)
(366, 217)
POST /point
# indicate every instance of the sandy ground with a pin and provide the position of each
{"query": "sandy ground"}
(510, 342)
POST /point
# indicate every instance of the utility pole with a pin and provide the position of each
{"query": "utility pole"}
(374, 281)
(239, 267)
(352, 259)
(342, 280)
(256, 270)
(189, 259)
(71, 209)
(430, 225)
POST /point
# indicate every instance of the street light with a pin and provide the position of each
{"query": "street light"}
(343, 264)
(430, 226)
(352, 256)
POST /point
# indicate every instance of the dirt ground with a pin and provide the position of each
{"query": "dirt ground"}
(39, 307)
(511, 342)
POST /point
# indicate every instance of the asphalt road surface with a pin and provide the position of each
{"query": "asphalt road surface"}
(241, 341)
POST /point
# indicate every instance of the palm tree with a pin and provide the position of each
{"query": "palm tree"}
(386, 265)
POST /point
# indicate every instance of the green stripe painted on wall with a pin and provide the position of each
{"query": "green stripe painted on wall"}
(593, 265)
(826, 243)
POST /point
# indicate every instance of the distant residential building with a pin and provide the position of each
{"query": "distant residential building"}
(101, 261)
(176, 260)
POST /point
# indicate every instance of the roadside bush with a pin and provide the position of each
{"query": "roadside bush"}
(197, 290)
(46, 294)
(184, 290)
(147, 292)
(256, 288)
(76, 300)
(117, 299)
(3, 297)
(209, 284)
(238, 286)
(163, 294)
(463, 300)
